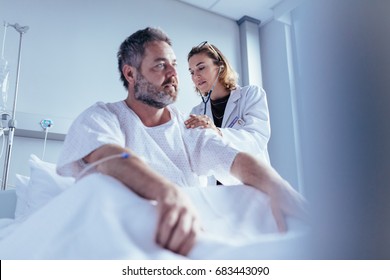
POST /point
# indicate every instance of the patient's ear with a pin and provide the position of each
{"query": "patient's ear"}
(129, 73)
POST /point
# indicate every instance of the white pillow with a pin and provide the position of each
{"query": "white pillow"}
(44, 183)
(21, 185)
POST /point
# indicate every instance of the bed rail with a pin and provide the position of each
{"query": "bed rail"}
(7, 203)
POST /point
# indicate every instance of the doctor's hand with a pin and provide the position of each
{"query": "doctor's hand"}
(178, 225)
(201, 121)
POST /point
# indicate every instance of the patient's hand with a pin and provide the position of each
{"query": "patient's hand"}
(285, 201)
(178, 224)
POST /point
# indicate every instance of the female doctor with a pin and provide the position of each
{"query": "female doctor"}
(238, 114)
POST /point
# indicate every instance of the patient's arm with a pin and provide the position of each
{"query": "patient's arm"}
(285, 201)
(178, 225)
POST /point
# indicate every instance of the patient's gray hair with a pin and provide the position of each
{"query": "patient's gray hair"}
(132, 50)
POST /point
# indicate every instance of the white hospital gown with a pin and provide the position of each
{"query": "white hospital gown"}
(177, 153)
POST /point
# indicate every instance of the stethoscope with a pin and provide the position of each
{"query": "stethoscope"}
(207, 99)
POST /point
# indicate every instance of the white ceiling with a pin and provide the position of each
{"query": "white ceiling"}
(262, 10)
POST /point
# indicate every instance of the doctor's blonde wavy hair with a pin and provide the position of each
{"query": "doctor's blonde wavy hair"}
(228, 76)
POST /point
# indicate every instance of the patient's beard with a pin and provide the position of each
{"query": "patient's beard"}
(149, 94)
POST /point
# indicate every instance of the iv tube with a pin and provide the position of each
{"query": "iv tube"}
(94, 164)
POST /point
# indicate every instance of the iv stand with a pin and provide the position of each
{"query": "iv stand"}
(12, 121)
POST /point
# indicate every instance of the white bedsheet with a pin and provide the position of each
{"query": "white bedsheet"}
(98, 218)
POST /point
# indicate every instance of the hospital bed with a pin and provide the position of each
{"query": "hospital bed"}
(7, 204)
(47, 216)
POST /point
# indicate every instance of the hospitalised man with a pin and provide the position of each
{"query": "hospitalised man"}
(163, 154)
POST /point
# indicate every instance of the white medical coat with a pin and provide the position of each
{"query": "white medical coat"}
(245, 124)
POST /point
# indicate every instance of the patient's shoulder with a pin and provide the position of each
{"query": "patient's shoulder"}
(106, 109)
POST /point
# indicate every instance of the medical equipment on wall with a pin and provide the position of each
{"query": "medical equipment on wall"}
(4, 86)
(46, 124)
